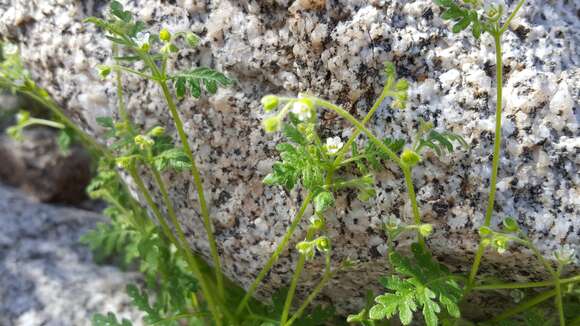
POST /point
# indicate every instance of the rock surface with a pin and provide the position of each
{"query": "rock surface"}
(46, 276)
(336, 50)
(38, 166)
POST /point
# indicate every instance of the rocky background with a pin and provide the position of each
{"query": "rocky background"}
(46, 276)
(335, 49)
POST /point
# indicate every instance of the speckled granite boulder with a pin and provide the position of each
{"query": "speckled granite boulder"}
(335, 49)
(46, 276)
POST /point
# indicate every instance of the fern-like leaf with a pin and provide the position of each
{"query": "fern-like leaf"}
(423, 283)
(194, 78)
(109, 320)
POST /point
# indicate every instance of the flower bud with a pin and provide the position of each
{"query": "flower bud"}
(271, 124)
(22, 117)
(164, 35)
(410, 157)
(316, 222)
(510, 225)
(192, 39)
(157, 131)
(322, 244)
(124, 162)
(425, 229)
(144, 142)
(14, 132)
(402, 85)
(104, 71)
(323, 201)
(270, 102)
(305, 248)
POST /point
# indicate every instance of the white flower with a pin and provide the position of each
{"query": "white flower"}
(142, 39)
(566, 255)
(333, 145)
(10, 49)
(494, 8)
(302, 110)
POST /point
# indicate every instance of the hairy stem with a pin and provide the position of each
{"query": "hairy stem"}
(347, 116)
(524, 305)
(161, 80)
(413, 199)
(207, 223)
(274, 257)
(180, 234)
(328, 274)
(511, 17)
(342, 152)
(496, 156)
(406, 170)
(297, 273)
(500, 286)
(558, 299)
(193, 265)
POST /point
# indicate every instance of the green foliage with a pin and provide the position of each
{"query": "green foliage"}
(11, 68)
(109, 320)
(439, 142)
(132, 36)
(426, 285)
(372, 156)
(107, 239)
(163, 266)
(303, 162)
(323, 201)
(174, 158)
(193, 79)
(316, 316)
(462, 16)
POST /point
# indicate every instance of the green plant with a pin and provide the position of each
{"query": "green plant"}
(181, 288)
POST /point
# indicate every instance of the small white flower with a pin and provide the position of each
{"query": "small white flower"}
(301, 110)
(566, 255)
(10, 49)
(142, 39)
(333, 145)
(494, 8)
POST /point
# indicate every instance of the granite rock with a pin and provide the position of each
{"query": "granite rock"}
(335, 49)
(46, 276)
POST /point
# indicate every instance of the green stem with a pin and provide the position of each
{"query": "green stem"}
(413, 198)
(274, 257)
(57, 111)
(555, 277)
(406, 170)
(297, 273)
(180, 234)
(133, 71)
(511, 17)
(496, 156)
(167, 231)
(43, 122)
(120, 97)
(559, 303)
(207, 223)
(525, 305)
(328, 274)
(500, 286)
(342, 152)
(347, 116)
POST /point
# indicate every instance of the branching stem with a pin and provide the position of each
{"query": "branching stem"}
(297, 273)
(274, 257)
